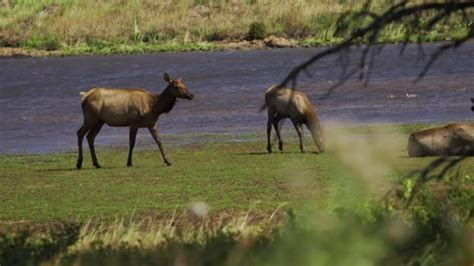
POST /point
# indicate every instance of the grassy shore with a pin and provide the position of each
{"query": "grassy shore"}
(69, 27)
(229, 202)
(229, 176)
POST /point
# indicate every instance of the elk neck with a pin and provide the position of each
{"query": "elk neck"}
(165, 101)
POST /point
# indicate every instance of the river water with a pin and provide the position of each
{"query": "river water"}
(40, 104)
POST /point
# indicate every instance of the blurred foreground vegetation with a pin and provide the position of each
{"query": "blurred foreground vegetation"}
(230, 203)
(115, 26)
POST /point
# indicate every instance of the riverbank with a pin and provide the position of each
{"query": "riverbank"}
(106, 48)
(68, 27)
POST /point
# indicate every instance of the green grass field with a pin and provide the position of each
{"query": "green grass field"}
(265, 209)
(229, 176)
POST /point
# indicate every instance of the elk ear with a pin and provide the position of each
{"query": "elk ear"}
(167, 78)
(180, 79)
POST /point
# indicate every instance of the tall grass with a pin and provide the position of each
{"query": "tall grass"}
(39, 3)
(434, 229)
(87, 22)
(184, 236)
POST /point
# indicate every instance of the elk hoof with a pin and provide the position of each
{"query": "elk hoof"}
(168, 163)
(280, 146)
(269, 148)
(79, 163)
(97, 165)
(129, 164)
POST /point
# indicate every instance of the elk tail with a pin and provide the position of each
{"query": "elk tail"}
(84, 94)
(272, 88)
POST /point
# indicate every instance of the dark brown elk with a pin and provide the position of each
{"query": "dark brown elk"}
(452, 139)
(133, 108)
(287, 103)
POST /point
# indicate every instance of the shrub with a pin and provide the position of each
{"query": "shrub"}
(257, 30)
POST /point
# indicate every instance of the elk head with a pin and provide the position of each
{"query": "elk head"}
(177, 88)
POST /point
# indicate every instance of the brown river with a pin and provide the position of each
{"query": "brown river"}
(40, 104)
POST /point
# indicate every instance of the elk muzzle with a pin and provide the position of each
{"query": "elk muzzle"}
(189, 95)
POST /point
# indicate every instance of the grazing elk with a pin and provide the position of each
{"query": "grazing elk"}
(134, 108)
(287, 103)
(452, 139)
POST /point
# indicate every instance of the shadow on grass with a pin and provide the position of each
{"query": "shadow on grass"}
(256, 153)
(58, 169)
(64, 169)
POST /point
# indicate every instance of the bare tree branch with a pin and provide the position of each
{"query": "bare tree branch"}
(399, 12)
(443, 165)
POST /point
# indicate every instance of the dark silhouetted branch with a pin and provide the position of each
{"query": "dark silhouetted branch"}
(398, 13)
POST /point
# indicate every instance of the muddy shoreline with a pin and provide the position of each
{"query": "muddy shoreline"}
(270, 42)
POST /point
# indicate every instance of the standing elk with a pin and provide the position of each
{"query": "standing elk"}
(134, 108)
(452, 139)
(287, 103)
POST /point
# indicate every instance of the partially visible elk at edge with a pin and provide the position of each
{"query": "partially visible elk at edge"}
(287, 103)
(134, 108)
(452, 139)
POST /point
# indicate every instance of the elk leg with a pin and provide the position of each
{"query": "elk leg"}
(131, 140)
(154, 133)
(276, 125)
(269, 133)
(299, 130)
(90, 139)
(80, 137)
(271, 116)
